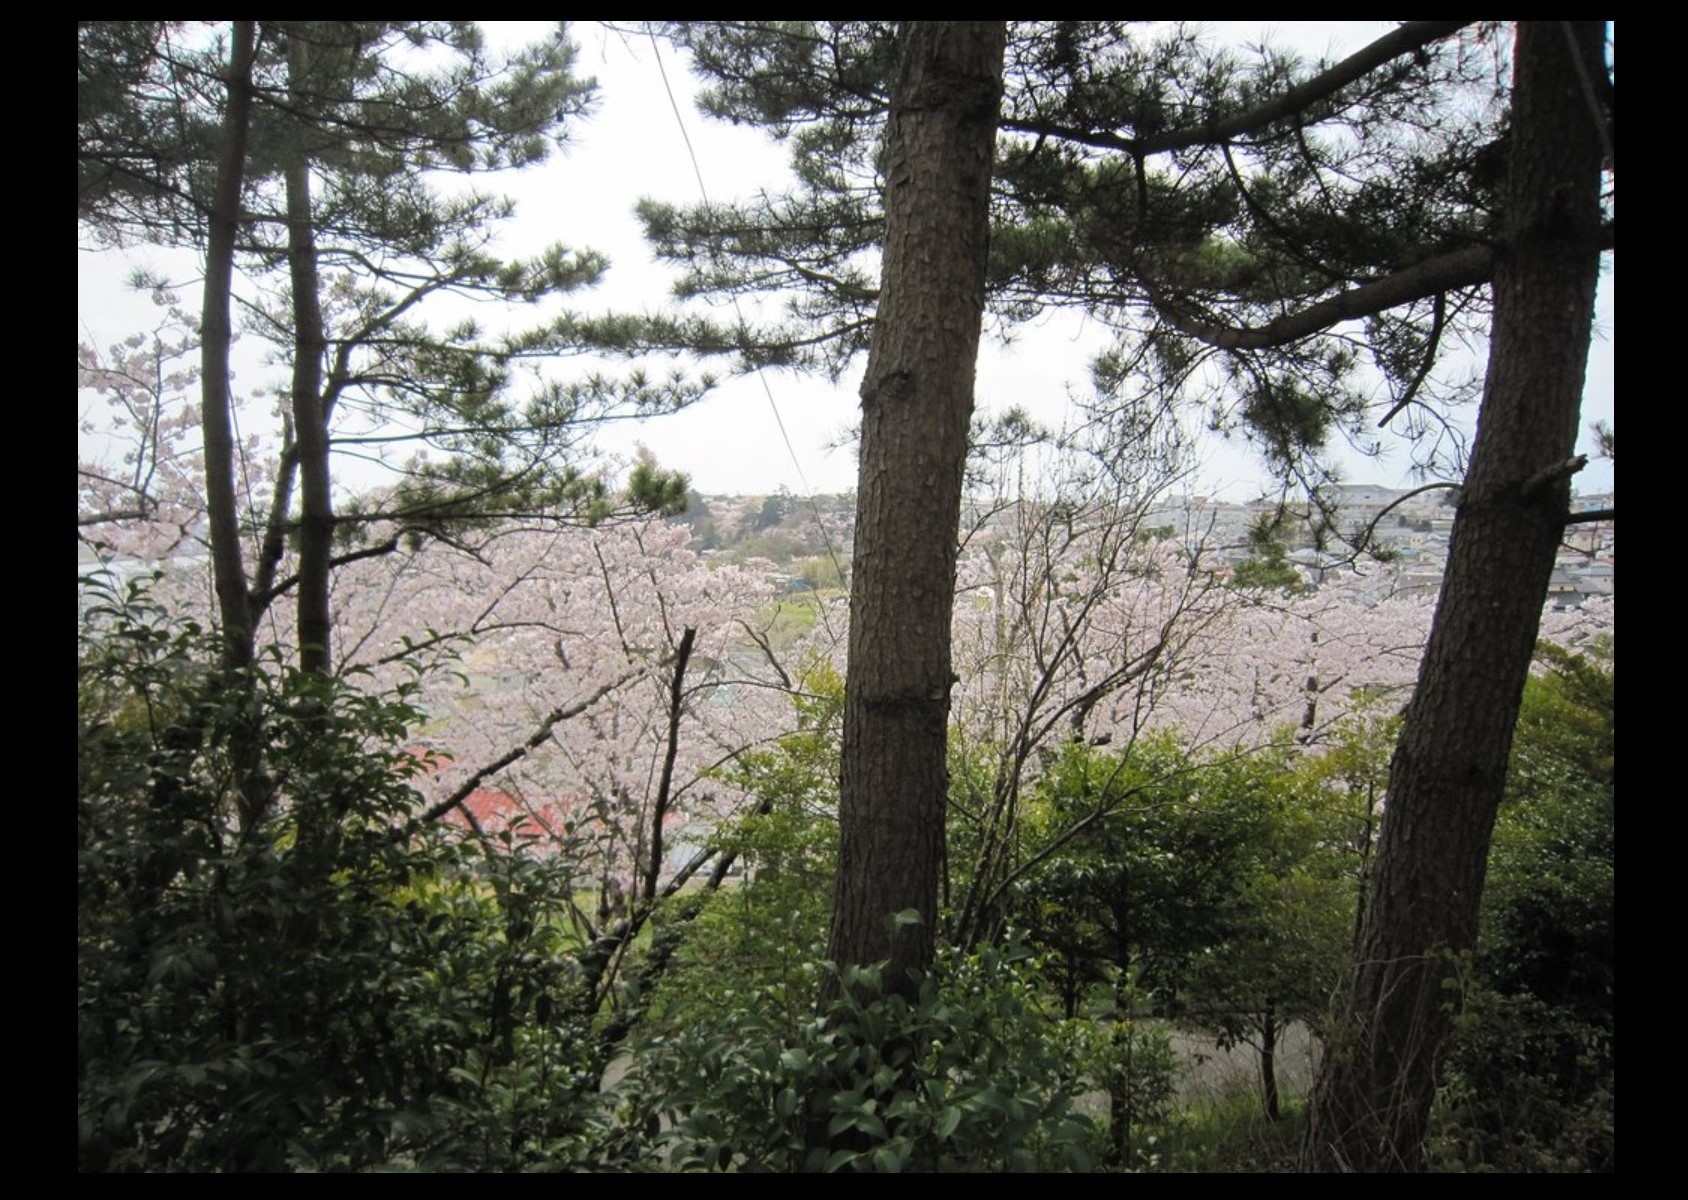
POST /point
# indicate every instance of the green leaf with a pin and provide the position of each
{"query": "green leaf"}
(948, 1122)
(889, 1159)
(839, 1158)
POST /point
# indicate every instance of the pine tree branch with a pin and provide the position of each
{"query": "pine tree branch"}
(1462, 268)
(1592, 515)
(1409, 38)
(1469, 267)
(1438, 322)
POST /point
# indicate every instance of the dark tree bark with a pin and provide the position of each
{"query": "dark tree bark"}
(310, 421)
(216, 334)
(1374, 1094)
(917, 402)
(665, 784)
(222, 501)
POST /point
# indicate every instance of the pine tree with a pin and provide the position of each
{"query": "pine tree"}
(1448, 775)
(1291, 226)
(917, 406)
(347, 127)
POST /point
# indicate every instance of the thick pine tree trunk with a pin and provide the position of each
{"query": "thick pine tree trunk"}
(1374, 1095)
(917, 403)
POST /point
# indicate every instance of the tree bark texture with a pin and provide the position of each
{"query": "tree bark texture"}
(222, 501)
(310, 422)
(1374, 1094)
(216, 334)
(917, 404)
(1269, 1062)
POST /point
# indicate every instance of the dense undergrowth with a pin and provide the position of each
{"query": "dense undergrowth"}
(328, 983)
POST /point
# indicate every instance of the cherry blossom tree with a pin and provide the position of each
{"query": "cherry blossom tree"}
(1295, 663)
(140, 493)
(1077, 622)
(1067, 612)
(601, 681)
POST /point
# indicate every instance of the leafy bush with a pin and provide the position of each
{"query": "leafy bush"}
(971, 1077)
(1531, 1082)
(1529, 1087)
(318, 982)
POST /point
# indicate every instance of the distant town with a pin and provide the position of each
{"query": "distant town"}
(1373, 540)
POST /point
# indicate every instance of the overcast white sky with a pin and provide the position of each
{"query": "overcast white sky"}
(632, 147)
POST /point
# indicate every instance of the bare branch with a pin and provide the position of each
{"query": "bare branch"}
(762, 643)
(552, 719)
(676, 705)
(107, 518)
(1364, 539)
(262, 600)
(1592, 515)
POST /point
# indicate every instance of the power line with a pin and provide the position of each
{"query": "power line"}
(761, 375)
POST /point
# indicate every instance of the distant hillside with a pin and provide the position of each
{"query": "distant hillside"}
(782, 528)
(810, 539)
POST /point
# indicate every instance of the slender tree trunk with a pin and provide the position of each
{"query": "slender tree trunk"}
(310, 424)
(1363, 876)
(1374, 1094)
(1269, 1061)
(216, 335)
(1122, 1112)
(917, 404)
(274, 544)
(222, 503)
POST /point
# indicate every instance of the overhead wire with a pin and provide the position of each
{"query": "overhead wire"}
(760, 373)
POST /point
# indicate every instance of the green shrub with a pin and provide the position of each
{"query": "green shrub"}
(971, 1077)
(1530, 1079)
(325, 984)
(1528, 1087)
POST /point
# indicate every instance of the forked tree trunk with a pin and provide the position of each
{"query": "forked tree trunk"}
(222, 504)
(1373, 1099)
(917, 404)
(216, 334)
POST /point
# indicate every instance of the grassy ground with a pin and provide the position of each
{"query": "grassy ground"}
(1227, 1132)
(1221, 1124)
